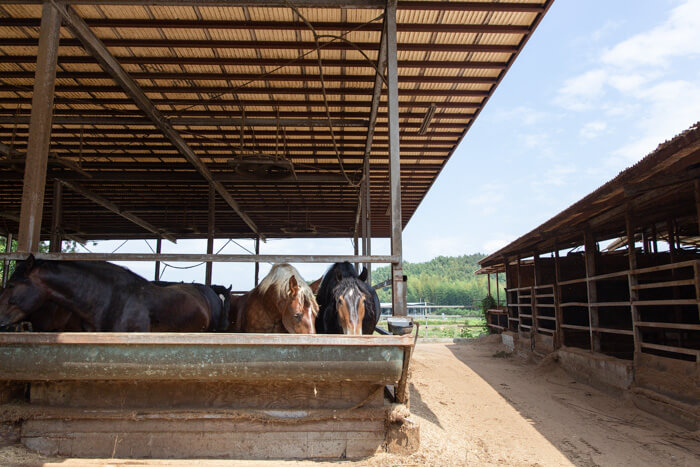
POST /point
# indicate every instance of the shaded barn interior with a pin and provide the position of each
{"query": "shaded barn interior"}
(174, 119)
(615, 278)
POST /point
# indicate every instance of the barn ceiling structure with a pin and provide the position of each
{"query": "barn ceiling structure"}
(271, 106)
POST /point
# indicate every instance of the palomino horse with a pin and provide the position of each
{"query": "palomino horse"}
(282, 302)
(104, 296)
(347, 304)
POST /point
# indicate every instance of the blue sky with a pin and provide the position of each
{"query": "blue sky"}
(598, 86)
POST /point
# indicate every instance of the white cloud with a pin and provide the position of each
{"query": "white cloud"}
(679, 35)
(593, 129)
(498, 241)
(583, 91)
(634, 81)
(523, 114)
(489, 199)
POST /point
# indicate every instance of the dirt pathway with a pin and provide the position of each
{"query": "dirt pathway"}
(476, 408)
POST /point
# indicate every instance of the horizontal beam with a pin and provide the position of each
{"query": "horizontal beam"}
(371, 4)
(67, 236)
(268, 45)
(241, 102)
(107, 204)
(220, 258)
(279, 25)
(253, 90)
(286, 77)
(194, 121)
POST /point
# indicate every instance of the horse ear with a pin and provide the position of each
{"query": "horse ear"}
(293, 285)
(363, 275)
(315, 285)
(338, 275)
(30, 261)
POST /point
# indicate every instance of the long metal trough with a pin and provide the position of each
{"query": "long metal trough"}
(201, 357)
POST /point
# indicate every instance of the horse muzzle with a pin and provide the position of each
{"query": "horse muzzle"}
(12, 315)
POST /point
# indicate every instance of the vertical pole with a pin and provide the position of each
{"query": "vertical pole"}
(537, 275)
(398, 299)
(559, 338)
(697, 202)
(517, 297)
(211, 221)
(355, 249)
(590, 253)
(159, 244)
(257, 265)
(632, 280)
(368, 218)
(488, 281)
(498, 297)
(39, 131)
(6, 263)
(363, 223)
(56, 218)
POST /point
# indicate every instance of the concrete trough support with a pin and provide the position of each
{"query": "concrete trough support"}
(204, 395)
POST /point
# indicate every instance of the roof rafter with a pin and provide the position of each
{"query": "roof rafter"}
(94, 46)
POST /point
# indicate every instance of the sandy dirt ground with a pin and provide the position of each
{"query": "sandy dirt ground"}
(478, 406)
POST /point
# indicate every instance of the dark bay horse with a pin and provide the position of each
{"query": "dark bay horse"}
(282, 302)
(347, 305)
(104, 296)
(217, 298)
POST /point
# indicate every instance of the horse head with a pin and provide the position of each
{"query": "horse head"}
(350, 304)
(300, 310)
(22, 296)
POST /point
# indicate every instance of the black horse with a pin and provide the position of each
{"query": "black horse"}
(347, 305)
(218, 298)
(105, 297)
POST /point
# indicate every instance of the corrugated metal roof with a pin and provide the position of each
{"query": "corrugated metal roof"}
(219, 62)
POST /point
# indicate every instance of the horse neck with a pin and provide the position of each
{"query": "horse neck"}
(264, 310)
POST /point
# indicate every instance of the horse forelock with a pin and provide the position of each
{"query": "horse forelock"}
(348, 286)
(277, 282)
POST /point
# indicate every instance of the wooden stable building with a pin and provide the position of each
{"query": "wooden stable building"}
(613, 283)
(175, 119)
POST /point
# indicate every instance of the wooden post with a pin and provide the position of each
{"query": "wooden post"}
(498, 298)
(559, 338)
(257, 264)
(211, 221)
(368, 219)
(56, 218)
(39, 131)
(517, 297)
(590, 262)
(632, 280)
(398, 295)
(537, 280)
(5, 262)
(697, 201)
(159, 244)
(356, 248)
(488, 281)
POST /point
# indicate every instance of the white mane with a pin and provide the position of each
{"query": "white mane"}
(280, 274)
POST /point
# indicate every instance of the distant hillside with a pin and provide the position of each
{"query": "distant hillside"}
(445, 280)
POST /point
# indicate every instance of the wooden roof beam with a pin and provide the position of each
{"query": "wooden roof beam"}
(269, 45)
(261, 90)
(68, 236)
(279, 25)
(107, 204)
(427, 79)
(370, 4)
(95, 47)
(191, 121)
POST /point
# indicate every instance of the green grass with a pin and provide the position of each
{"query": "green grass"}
(438, 327)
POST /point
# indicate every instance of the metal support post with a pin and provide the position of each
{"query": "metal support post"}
(367, 212)
(6, 262)
(590, 256)
(56, 218)
(210, 231)
(159, 244)
(398, 296)
(39, 131)
(257, 264)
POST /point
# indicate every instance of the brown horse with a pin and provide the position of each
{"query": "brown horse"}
(105, 297)
(282, 302)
